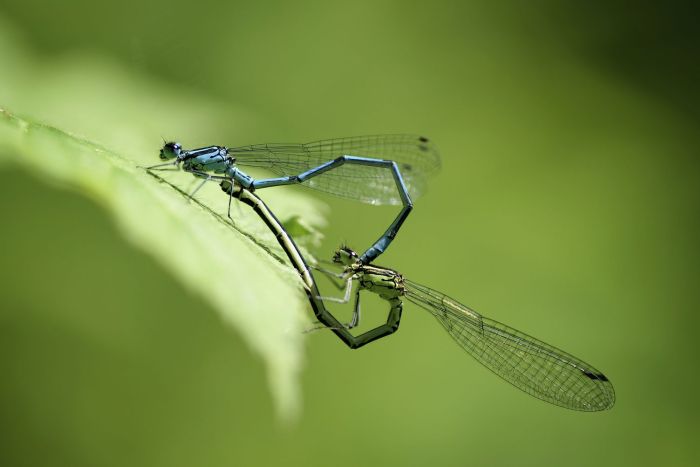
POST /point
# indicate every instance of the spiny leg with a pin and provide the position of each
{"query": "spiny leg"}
(232, 193)
(355, 320)
(165, 165)
(205, 180)
(207, 175)
(391, 326)
(230, 197)
(346, 297)
(332, 276)
(318, 326)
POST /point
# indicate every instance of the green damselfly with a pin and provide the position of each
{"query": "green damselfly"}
(529, 364)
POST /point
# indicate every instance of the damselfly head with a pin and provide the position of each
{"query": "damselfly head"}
(345, 256)
(170, 150)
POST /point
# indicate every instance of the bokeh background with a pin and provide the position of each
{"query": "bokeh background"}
(567, 207)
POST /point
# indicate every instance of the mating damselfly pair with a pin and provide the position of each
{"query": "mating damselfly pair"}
(388, 169)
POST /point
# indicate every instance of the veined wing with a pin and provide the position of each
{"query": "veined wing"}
(415, 156)
(537, 368)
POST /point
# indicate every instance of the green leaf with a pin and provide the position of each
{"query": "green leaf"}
(239, 269)
(303, 232)
(230, 268)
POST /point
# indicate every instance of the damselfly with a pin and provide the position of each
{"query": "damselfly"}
(383, 169)
(529, 364)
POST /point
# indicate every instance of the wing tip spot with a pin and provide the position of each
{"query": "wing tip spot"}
(424, 143)
(595, 376)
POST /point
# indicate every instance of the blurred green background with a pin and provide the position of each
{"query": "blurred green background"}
(567, 207)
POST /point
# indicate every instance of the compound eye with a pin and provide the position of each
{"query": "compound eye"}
(170, 150)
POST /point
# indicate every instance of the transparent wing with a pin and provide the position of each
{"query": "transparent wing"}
(537, 368)
(416, 157)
